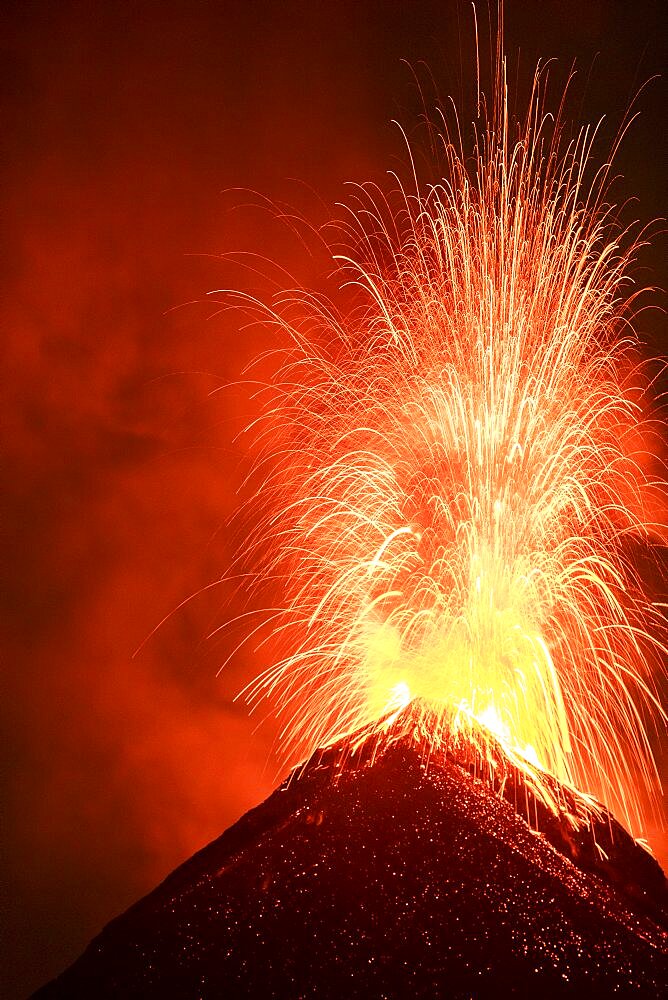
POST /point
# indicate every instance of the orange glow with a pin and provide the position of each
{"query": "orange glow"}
(446, 476)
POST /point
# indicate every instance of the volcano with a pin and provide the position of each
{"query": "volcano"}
(384, 868)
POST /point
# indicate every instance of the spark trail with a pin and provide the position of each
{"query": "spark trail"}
(445, 480)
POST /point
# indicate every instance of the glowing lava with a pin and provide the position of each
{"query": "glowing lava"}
(445, 477)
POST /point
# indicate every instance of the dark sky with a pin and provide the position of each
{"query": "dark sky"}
(126, 125)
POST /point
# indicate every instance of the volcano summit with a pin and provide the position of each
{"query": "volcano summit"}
(379, 869)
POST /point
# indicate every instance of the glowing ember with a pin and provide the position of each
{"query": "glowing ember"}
(446, 477)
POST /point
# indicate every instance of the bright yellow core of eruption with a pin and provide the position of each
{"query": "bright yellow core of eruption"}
(511, 688)
(446, 478)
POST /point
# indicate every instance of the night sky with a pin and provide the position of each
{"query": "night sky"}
(131, 130)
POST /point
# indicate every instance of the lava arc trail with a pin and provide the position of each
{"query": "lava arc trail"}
(445, 479)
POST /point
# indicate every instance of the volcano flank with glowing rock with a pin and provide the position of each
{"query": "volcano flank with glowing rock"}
(385, 868)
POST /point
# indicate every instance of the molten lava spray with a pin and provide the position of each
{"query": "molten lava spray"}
(446, 475)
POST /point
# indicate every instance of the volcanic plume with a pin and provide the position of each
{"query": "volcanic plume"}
(383, 869)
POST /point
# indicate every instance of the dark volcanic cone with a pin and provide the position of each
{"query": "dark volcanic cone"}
(378, 870)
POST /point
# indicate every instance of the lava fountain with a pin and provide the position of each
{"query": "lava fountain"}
(445, 478)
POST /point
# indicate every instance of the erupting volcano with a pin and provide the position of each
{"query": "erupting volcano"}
(445, 481)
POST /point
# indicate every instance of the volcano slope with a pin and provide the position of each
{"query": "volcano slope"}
(381, 870)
